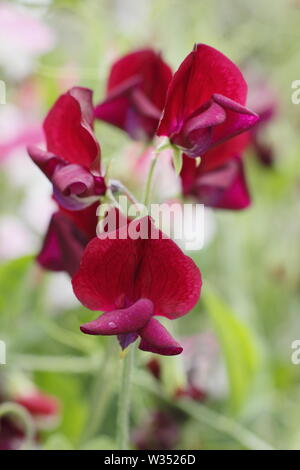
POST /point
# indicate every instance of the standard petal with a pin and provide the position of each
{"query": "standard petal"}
(106, 278)
(204, 71)
(156, 339)
(122, 321)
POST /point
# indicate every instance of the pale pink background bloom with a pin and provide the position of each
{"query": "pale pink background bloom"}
(23, 38)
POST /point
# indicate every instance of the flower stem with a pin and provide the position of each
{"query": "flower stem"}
(101, 394)
(149, 180)
(124, 400)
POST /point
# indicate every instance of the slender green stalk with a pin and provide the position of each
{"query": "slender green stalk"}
(209, 417)
(21, 413)
(147, 195)
(124, 400)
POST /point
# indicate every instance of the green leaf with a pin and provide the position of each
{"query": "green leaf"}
(238, 346)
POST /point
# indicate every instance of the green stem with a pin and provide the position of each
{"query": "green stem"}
(128, 361)
(21, 413)
(149, 180)
(100, 395)
(124, 400)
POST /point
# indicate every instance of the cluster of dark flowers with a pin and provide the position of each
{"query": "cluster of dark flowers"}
(200, 111)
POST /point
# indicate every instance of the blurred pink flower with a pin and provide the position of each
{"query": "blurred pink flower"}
(17, 130)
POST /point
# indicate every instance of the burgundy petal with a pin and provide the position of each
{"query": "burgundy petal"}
(74, 180)
(69, 180)
(203, 72)
(223, 188)
(46, 161)
(205, 103)
(220, 121)
(156, 339)
(122, 321)
(137, 261)
(167, 276)
(68, 130)
(136, 93)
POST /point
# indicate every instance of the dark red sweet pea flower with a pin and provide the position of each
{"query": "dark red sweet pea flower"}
(132, 275)
(136, 93)
(223, 187)
(71, 160)
(67, 236)
(262, 98)
(205, 103)
(38, 404)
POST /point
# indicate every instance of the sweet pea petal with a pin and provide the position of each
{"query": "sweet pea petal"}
(220, 121)
(137, 261)
(223, 188)
(156, 339)
(74, 186)
(63, 245)
(68, 131)
(136, 93)
(236, 195)
(167, 276)
(224, 152)
(204, 72)
(84, 96)
(106, 276)
(76, 180)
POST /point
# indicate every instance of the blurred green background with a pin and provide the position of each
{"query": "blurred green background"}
(251, 264)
